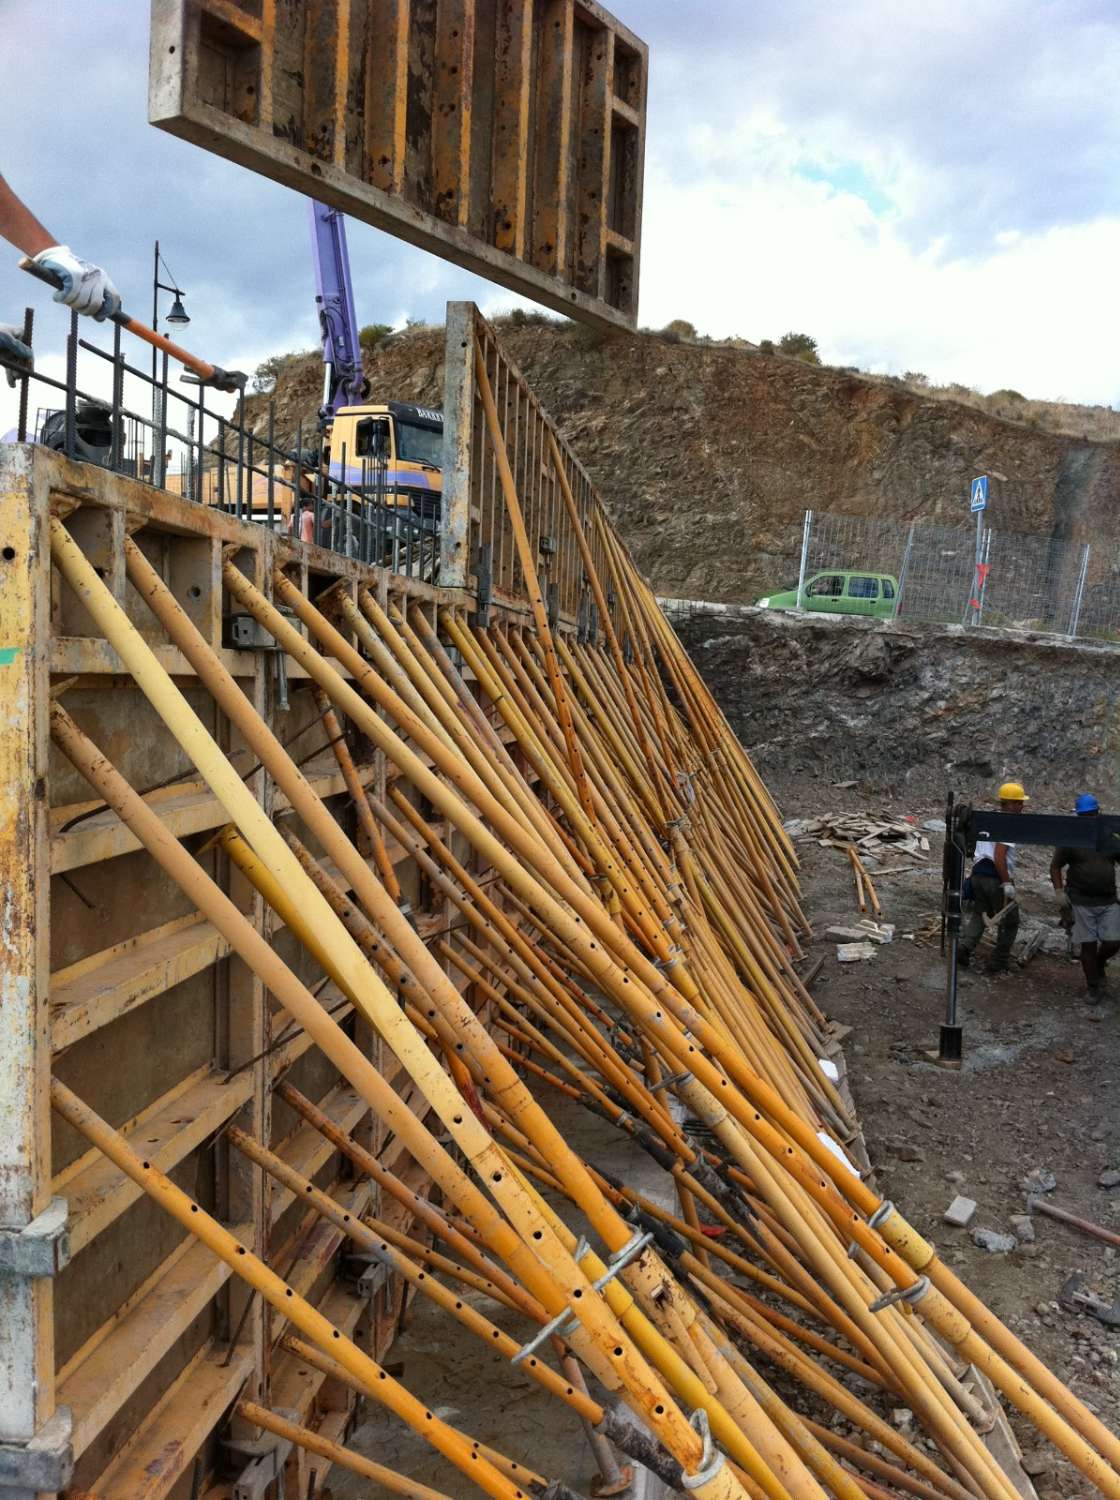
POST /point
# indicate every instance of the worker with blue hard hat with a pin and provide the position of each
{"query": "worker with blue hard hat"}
(1087, 901)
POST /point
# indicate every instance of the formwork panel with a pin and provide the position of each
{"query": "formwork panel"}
(504, 135)
(151, 1021)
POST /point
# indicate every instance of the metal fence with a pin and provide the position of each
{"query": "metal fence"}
(145, 424)
(965, 575)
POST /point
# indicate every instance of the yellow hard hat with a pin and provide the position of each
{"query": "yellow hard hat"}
(1012, 791)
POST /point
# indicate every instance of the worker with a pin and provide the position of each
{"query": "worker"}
(990, 890)
(1088, 894)
(85, 287)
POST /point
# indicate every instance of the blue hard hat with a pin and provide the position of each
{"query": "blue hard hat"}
(1086, 803)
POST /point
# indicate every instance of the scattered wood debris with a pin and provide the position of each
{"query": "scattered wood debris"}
(874, 835)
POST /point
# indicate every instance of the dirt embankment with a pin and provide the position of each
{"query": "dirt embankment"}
(707, 455)
(913, 709)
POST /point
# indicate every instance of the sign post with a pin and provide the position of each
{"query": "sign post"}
(978, 504)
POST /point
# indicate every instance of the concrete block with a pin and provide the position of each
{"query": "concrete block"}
(960, 1212)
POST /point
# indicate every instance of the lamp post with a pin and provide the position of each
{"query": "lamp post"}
(178, 316)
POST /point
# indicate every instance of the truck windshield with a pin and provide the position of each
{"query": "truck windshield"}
(419, 445)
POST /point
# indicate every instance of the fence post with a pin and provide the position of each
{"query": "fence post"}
(903, 571)
(806, 533)
(1079, 593)
(986, 559)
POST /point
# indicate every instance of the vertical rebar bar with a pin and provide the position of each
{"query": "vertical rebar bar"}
(25, 380)
(71, 384)
(271, 464)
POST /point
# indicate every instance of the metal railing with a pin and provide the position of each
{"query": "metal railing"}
(169, 438)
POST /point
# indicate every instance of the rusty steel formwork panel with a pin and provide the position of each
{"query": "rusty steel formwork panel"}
(123, 1342)
(507, 136)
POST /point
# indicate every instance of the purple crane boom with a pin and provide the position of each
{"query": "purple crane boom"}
(343, 384)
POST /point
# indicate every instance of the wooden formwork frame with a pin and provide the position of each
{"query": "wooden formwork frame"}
(507, 136)
(90, 980)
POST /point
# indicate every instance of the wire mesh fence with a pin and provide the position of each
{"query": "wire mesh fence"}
(966, 575)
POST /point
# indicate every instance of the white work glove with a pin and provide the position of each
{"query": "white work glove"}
(1008, 891)
(85, 287)
(14, 350)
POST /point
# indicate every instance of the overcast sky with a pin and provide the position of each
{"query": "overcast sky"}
(920, 187)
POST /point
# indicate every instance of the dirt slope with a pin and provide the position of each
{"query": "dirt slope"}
(707, 455)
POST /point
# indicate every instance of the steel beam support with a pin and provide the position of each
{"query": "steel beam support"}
(26, 1315)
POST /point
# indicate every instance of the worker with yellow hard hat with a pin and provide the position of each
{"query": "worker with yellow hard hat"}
(990, 890)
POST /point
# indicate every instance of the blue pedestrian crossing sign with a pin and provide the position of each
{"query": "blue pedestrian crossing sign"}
(979, 493)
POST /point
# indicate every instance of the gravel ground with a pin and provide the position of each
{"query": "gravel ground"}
(1037, 1090)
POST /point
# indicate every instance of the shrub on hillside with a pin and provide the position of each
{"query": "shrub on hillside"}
(915, 377)
(800, 346)
(268, 372)
(373, 334)
(766, 346)
(678, 329)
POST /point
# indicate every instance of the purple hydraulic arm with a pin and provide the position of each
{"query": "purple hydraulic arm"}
(344, 384)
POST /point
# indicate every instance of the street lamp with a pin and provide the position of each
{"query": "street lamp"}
(177, 316)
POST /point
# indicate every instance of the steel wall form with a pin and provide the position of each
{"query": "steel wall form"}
(505, 135)
(111, 980)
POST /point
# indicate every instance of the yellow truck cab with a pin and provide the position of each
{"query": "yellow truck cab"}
(395, 451)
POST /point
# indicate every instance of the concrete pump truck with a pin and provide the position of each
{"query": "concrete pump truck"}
(393, 446)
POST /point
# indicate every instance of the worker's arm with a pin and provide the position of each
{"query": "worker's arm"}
(82, 285)
(1004, 873)
(1057, 865)
(19, 226)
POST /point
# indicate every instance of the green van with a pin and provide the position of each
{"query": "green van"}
(840, 592)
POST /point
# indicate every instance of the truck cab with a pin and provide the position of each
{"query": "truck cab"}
(393, 451)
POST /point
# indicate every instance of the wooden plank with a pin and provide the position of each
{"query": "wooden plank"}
(509, 173)
(595, 60)
(103, 836)
(163, 1448)
(553, 138)
(98, 990)
(100, 1192)
(101, 1384)
(452, 105)
(386, 96)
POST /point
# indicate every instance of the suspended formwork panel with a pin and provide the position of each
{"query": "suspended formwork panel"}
(507, 136)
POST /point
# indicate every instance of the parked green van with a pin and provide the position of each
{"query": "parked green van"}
(842, 593)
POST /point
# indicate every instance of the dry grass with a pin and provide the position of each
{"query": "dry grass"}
(1101, 424)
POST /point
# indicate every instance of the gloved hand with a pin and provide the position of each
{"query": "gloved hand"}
(1008, 892)
(14, 349)
(85, 287)
(1064, 903)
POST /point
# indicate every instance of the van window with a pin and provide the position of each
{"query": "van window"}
(888, 589)
(861, 586)
(828, 585)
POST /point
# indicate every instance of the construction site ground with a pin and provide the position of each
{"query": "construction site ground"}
(1038, 1088)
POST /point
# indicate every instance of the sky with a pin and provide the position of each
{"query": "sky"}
(920, 187)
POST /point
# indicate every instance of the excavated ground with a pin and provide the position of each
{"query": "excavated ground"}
(1037, 1089)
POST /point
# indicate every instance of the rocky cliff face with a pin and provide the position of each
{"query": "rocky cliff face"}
(708, 455)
